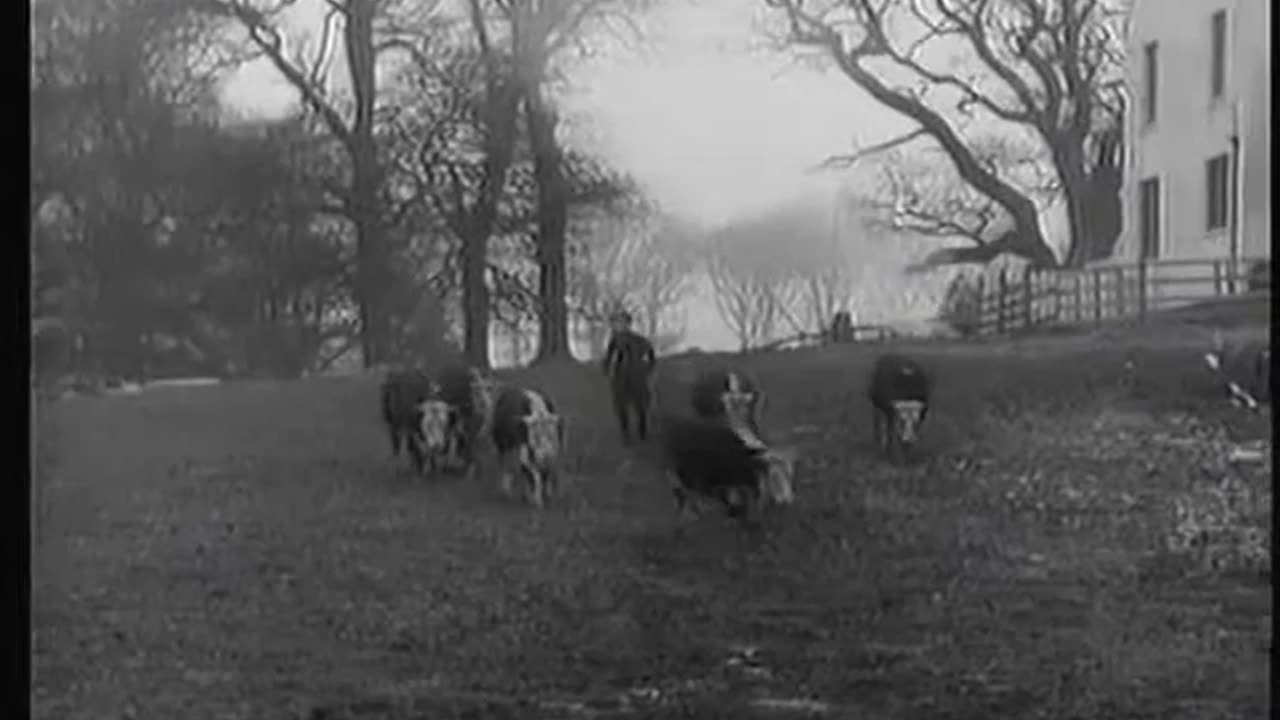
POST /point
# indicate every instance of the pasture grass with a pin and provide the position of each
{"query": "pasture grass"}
(250, 551)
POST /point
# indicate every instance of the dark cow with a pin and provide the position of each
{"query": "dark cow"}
(899, 391)
(468, 393)
(629, 362)
(709, 459)
(730, 397)
(400, 398)
(528, 435)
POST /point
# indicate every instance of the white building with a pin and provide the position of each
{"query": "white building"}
(1198, 181)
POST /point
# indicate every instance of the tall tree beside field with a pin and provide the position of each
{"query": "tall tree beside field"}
(1049, 68)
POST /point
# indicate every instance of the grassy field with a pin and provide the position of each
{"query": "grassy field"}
(250, 551)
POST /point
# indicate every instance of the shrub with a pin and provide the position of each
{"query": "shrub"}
(961, 308)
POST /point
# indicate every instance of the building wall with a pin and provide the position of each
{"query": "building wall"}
(1190, 126)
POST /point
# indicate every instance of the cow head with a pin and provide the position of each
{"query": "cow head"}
(545, 433)
(906, 420)
(544, 430)
(434, 423)
(483, 391)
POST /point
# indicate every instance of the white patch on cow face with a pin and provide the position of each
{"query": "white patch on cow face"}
(907, 419)
(777, 482)
(736, 400)
(434, 424)
(749, 438)
(483, 390)
(543, 427)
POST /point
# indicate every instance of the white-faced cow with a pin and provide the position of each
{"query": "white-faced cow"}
(468, 394)
(730, 397)
(899, 391)
(400, 398)
(708, 459)
(439, 442)
(528, 435)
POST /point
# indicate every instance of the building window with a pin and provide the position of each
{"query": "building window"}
(1217, 182)
(1149, 218)
(1218, 54)
(1151, 80)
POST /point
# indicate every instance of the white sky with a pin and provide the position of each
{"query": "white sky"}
(713, 128)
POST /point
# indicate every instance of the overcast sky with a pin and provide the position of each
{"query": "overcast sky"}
(713, 126)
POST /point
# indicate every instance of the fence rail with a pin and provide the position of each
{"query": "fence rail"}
(1011, 302)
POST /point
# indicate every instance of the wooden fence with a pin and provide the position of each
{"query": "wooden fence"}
(1010, 302)
(1014, 301)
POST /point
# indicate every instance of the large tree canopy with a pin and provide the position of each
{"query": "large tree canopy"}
(954, 66)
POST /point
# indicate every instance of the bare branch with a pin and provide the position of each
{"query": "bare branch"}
(843, 162)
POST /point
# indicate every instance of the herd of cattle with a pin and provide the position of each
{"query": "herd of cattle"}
(716, 453)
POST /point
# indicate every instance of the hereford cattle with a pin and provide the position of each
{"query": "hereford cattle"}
(711, 460)
(730, 397)
(899, 391)
(400, 398)
(528, 435)
(468, 393)
(439, 444)
(629, 362)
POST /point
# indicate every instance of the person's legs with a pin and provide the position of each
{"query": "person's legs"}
(621, 404)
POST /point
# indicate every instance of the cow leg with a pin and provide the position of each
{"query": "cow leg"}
(394, 433)
(536, 488)
(894, 445)
(416, 455)
(551, 481)
(877, 429)
(505, 481)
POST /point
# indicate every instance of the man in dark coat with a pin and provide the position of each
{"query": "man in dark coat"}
(629, 362)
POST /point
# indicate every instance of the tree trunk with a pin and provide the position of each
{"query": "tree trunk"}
(373, 264)
(373, 272)
(553, 211)
(475, 297)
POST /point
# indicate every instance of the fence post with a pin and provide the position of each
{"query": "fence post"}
(1217, 278)
(1026, 296)
(1097, 297)
(1079, 313)
(979, 305)
(1120, 298)
(1142, 288)
(1002, 296)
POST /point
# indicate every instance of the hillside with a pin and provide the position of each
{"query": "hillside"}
(249, 550)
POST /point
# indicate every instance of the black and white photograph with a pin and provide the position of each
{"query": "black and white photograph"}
(649, 359)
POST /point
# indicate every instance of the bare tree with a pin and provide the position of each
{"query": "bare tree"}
(359, 199)
(543, 32)
(1052, 67)
(920, 193)
(637, 261)
(751, 297)
(821, 270)
(462, 121)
